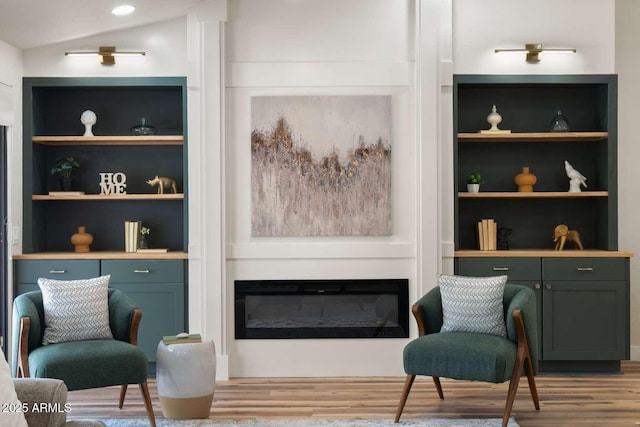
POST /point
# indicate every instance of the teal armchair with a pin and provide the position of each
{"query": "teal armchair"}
(82, 364)
(473, 356)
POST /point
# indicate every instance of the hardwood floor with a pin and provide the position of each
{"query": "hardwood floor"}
(565, 400)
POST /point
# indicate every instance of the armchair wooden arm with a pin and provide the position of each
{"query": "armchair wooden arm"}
(134, 325)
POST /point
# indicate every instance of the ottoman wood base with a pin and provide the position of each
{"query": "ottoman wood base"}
(186, 407)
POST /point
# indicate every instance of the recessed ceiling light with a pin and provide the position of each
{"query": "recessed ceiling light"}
(125, 9)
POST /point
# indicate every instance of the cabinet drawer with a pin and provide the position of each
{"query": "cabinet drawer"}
(584, 268)
(514, 268)
(144, 271)
(29, 271)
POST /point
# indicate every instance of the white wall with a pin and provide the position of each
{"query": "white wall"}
(482, 26)
(627, 66)
(165, 44)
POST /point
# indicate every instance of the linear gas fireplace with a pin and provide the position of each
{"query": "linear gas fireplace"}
(377, 308)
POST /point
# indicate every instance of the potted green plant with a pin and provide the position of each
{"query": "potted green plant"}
(65, 167)
(473, 182)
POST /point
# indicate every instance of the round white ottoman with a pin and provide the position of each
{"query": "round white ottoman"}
(186, 379)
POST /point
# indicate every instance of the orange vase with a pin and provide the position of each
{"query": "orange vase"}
(81, 240)
(525, 180)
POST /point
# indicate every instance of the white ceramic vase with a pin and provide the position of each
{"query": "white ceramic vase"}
(494, 118)
(473, 188)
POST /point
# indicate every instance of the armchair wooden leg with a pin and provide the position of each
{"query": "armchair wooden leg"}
(436, 381)
(513, 387)
(528, 367)
(144, 388)
(405, 393)
(123, 392)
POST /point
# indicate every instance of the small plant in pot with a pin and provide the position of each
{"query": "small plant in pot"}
(65, 167)
(473, 182)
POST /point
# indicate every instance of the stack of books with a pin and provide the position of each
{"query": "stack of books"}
(175, 339)
(487, 234)
(131, 235)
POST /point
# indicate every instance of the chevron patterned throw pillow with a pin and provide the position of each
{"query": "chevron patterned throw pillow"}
(472, 304)
(75, 310)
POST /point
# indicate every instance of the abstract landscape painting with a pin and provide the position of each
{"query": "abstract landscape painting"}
(321, 165)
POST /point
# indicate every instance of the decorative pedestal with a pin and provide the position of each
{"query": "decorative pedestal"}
(186, 379)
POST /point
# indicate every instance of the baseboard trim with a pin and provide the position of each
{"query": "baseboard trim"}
(635, 352)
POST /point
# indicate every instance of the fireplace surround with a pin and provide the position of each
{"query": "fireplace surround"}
(299, 309)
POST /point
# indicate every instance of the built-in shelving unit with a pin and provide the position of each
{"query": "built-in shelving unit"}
(52, 129)
(582, 296)
(527, 105)
(155, 280)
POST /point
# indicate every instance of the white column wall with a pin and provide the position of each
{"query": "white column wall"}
(332, 48)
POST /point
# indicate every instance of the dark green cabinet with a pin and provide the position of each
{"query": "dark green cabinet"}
(582, 296)
(586, 308)
(582, 306)
(52, 129)
(156, 286)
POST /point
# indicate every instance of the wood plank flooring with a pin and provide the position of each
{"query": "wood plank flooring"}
(565, 400)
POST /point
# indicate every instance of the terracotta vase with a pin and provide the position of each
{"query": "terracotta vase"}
(81, 240)
(525, 180)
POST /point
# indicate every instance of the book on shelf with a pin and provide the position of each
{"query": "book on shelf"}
(66, 193)
(131, 235)
(173, 339)
(487, 234)
(153, 250)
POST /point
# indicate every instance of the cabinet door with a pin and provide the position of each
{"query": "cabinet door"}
(27, 272)
(162, 306)
(585, 320)
(157, 287)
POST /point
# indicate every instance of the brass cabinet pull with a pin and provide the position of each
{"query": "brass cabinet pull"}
(142, 271)
(57, 271)
(548, 286)
(537, 286)
(584, 268)
(500, 268)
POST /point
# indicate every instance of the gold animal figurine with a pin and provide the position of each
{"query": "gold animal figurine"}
(562, 234)
(163, 182)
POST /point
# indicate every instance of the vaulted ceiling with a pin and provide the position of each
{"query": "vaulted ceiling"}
(27, 24)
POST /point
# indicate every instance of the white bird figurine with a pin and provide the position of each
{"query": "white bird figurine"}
(575, 178)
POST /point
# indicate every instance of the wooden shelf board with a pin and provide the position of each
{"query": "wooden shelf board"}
(114, 197)
(574, 253)
(533, 137)
(103, 255)
(110, 140)
(534, 194)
